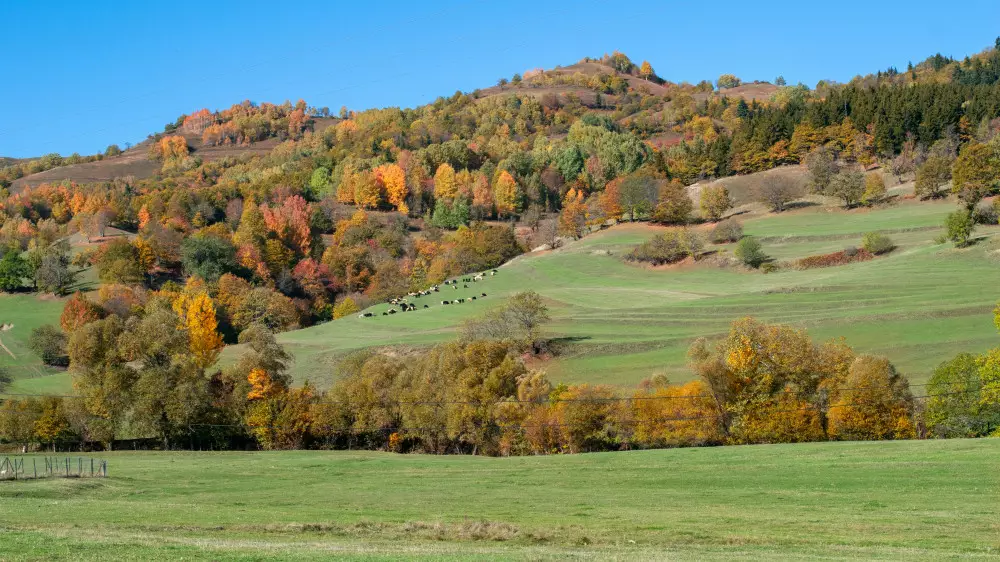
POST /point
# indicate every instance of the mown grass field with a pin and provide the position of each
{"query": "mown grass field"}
(928, 500)
(620, 323)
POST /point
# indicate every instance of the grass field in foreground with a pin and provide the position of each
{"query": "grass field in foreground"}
(920, 305)
(890, 500)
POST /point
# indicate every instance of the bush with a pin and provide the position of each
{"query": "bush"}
(843, 257)
(986, 213)
(726, 231)
(768, 267)
(877, 243)
(49, 343)
(750, 252)
(959, 226)
(670, 247)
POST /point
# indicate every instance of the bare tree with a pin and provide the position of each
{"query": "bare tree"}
(776, 191)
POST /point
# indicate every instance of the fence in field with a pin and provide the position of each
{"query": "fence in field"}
(18, 468)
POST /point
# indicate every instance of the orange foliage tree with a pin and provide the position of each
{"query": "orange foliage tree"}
(392, 181)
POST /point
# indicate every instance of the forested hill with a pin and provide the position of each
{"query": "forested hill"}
(301, 211)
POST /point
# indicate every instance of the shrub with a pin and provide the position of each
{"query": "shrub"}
(768, 267)
(49, 343)
(959, 226)
(726, 231)
(877, 243)
(750, 252)
(986, 213)
(670, 247)
(843, 257)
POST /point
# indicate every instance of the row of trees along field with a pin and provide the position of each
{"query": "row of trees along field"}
(154, 376)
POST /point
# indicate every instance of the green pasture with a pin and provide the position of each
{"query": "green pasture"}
(619, 323)
(26, 312)
(916, 500)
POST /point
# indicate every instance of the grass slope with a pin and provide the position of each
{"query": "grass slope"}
(27, 312)
(621, 323)
(894, 500)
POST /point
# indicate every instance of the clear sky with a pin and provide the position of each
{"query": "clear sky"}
(78, 76)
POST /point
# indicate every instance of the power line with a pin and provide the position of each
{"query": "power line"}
(512, 400)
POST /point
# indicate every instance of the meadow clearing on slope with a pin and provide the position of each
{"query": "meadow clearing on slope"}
(619, 323)
(835, 500)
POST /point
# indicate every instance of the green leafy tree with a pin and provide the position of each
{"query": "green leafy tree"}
(49, 343)
(750, 252)
(14, 269)
(959, 226)
(955, 408)
(208, 257)
(849, 187)
(637, 195)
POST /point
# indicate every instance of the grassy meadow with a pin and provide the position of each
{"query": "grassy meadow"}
(913, 500)
(27, 312)
(619, 323)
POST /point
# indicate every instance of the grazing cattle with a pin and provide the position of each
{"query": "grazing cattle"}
(454, 287)
(392, 311)
(484, 294)
(461, 301)
(465, 286)
(445, 302)
(425, 306)
(473, 298)
(385, 314)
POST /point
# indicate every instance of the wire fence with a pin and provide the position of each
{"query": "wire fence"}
(17, 467)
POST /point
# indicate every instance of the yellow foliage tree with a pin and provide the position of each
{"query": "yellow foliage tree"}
(367, 192)
(345, 307)
(506, 193)
(445, 186)
(874, 404)
(197, 315)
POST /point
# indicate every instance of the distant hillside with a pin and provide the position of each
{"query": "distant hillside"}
(136, 161)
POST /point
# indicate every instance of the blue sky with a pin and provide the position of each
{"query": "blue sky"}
(81, 75)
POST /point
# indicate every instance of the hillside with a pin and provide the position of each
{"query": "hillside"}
(914, 500)
(135, 162)
(620, 323)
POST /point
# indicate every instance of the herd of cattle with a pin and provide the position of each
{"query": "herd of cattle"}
(407, 306)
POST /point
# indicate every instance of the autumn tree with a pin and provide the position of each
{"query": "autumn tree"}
(638, 195)
(506, 193)
(875, 403)
(646, 70)
(728, 81)
(714, 201)
(932, 176)
(197, 315)
(848, 186)
(975, 173)
(78, 311)
(392, 181)
(673, 204)
(875, 190)
(822, 169)
(444, 182)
